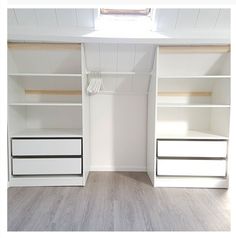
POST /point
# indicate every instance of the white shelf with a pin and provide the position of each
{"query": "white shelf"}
(191, 134)
(42, 75)
(192, 106)
(102, 92)
(120, 73)
(196, 77)
(48, 133)
(44, 104)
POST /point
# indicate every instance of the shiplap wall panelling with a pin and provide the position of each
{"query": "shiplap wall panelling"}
(81, 18)
(166, 19)
(207, 18)
(223, 21)
(66, 17)
(11, 18)
(47, 17)
(119, 57)
(192, 19)
(26, 17)
(144, 56)
(125, 57)
(178, 22)
(108, 57)
(85, 17)
(92, 56)
(187, 18)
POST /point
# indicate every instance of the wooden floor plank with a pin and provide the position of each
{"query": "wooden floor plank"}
(117, 201)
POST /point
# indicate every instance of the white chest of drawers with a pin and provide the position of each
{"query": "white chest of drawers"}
(47, 156)
(191, 158)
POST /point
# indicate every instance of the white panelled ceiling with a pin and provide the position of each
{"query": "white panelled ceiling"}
(193, 19)
(73, 25)
(166, 19)
(51, 17)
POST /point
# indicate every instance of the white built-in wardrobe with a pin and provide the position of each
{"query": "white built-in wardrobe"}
(161, 109)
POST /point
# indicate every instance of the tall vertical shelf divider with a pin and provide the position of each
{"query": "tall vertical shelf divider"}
(48, 115)
(189, 115)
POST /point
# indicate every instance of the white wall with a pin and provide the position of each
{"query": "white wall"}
(118, 125)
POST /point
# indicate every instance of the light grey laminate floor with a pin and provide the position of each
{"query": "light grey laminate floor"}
(117, 201)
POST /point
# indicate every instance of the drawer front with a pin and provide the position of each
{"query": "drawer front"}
(192, 149)
(178, 167)
(46, 147)
(43, 166)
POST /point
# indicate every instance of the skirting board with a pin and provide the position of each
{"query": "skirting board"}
(46, 181)
(118, 168)
(191, 182)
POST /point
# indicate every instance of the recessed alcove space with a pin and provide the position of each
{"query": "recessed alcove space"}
(192, 123)
(45, 121)
(194, 91)
(196, 61)
(119, 110)
(44, 58)
(45, 89)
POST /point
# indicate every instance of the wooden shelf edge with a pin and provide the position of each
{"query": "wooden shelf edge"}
(192, 105)
(43, 75)
(54, 92)
(195, 49)
(45, 104)
(196, 77)
(181, 94)
(43, 46)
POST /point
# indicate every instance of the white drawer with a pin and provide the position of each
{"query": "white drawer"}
(43, 166)
(191, 167)
(192, 149)
(46, 147)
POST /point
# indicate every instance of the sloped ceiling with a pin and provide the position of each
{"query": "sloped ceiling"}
(166, 19)
(193, 19)
(205, 22)
(51, 17)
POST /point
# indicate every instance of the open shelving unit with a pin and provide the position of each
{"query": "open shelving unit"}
(199, 88)
(191, 97)
(46, 100)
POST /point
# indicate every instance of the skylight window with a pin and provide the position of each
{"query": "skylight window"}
(129, 20)
(137, 12)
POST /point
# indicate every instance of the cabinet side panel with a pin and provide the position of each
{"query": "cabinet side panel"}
(85, 119)
(151, 124)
